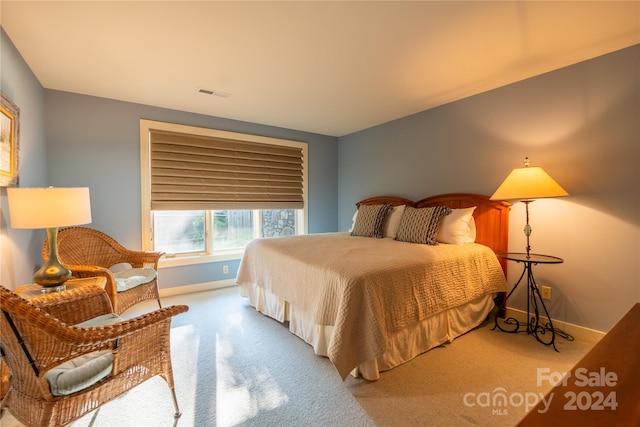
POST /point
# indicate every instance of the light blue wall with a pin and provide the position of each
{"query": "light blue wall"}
(581, 124)
(583, 115)
(20, 248)
(95, 142)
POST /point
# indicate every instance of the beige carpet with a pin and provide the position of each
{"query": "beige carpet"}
(235, 367)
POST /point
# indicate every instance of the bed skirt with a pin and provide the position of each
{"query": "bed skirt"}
(402, 346)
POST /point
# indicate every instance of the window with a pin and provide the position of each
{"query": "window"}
(206, 192)
(184, 232)
(176, 232)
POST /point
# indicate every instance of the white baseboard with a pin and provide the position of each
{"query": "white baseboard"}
(198, 287)
(578, 332)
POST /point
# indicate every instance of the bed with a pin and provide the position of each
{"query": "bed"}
(370, 304)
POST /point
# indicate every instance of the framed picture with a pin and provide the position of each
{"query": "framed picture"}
(9, 146)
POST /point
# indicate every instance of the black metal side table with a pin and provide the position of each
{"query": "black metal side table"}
(534, 300)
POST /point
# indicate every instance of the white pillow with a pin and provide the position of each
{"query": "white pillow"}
(472, 231)
(353, 221)
(393, 221)
(456, 227)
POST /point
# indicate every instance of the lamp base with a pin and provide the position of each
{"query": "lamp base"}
(52, 289)
(52, 273)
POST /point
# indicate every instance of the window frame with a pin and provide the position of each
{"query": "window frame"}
(210, 254)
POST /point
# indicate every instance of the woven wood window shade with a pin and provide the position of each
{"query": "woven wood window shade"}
(193, 172)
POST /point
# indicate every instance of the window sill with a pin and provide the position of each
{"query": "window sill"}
(179, 261)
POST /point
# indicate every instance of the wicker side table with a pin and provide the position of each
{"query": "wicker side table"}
(35, 295)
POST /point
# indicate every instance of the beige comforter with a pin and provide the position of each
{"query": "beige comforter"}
(368, 288)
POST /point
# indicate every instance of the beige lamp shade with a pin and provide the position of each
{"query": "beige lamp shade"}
(528, 183)
(48, 207)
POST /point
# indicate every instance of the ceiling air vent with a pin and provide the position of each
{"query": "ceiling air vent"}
(214, 92)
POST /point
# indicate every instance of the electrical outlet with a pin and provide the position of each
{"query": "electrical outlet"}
(546, 292)
(225, 269)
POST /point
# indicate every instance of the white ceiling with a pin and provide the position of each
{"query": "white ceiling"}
(326, 67)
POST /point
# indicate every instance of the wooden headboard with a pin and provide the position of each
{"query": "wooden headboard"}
(392, 200)
(491, 216)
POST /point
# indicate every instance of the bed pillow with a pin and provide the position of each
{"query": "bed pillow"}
(456, 227)
(393, 221)
(420, 225)
(370, 220)
(472, 231)
(353, 220)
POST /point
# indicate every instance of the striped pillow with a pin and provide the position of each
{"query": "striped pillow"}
(370, 220)
(421, 225)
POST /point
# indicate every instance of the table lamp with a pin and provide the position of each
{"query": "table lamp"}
(49, 208)
(526, 184)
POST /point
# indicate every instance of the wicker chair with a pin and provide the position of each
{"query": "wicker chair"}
(88, 252)
(33, 342)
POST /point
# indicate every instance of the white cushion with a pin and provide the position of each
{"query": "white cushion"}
(133, 277)
(456, 227)
(79, 373)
